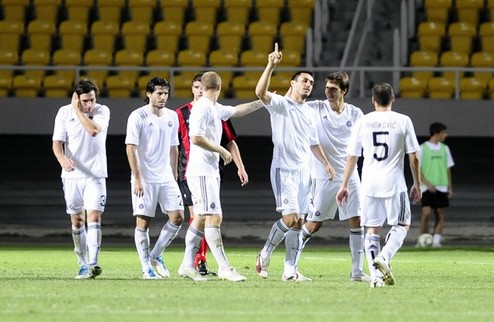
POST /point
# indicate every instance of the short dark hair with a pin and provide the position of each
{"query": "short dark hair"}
(297, 74)
(197, 78)
(436, 128)
(341, 79)
(382, 94)
(153, 83)
(84, 86)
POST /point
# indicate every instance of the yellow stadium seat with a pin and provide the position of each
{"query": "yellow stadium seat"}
(237, 11)
(411, 87)
(46, 9)
(129, 58)
(490, 88)
(174, 10)
(5, 85)
(482, 59)
(103, 35)
(269, 11)
(167, 35)
(244, 87)
(182, 85)
(191, 58)
(471, 88)
(453, 59)
(301, 11)
(135, 35)
(40, 33)
(437, 10)
(8, 57)
(280, 82)
(110, 10)
(199, 35)
(221, 58)
(252, 58)
(14, 10)
(159, 58)
(293, 36)
(100, 58)
(430, 35)
(486, 34)
(57, 86)
(66, 57)
(142, 10)
(35, 57)
(490, 9)
(205, 10)
(230, 35)
(120, 86)
(26, 86)
(10, 34)
(72, 34)
(423, 59)
(261, 35)
(440, 88)
(461, 35)
(469, 10)
(78, 10)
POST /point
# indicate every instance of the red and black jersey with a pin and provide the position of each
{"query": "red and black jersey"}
(183, 112)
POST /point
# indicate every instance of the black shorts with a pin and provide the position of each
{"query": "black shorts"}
(186, 195)
(437, 199)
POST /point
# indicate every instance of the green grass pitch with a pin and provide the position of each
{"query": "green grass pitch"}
(451, 284)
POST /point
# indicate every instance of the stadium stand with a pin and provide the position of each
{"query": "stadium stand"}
(78, 10)
(110, 10)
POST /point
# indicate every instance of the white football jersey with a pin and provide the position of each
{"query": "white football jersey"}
(334, 131)
(293, 132)
(384, 138)
(205, 120)
(154, 136)
(87, 151)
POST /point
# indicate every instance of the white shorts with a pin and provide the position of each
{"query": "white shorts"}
(291, 190)
(84, 194)
(205, 192)
(375, 211)
(324, 200)
(166, 194)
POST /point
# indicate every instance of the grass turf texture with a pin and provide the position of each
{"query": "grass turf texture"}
(37, 284)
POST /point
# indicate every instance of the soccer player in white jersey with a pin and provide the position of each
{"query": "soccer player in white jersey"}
(385, 137)
(79, 139)
(335, 120)
(203, 177)
(294, 137)
(152, 152)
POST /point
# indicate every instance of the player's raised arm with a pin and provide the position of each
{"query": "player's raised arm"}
(274, 59)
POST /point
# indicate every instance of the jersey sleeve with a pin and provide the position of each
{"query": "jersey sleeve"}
(229, 133)
(59, 130)
(174, 139)
(132, 136)
(354, 145)
(412, 144)
(198, 120)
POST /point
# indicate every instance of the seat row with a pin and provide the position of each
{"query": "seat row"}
(470, 11)
(444, 88)
(461, 36)
(150, 11)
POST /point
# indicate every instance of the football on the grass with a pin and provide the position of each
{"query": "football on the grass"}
(425, 240)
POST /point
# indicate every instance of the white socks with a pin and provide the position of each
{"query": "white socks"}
(80, 245)
(141, 239)
(393, 242)
(167, 235)
(93, 242)
(356, 242)
(276, 235)
(193, 238)
(372, 247)
(215, 243)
